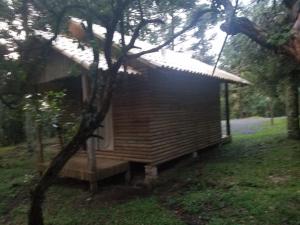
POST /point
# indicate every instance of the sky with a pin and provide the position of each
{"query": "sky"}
(219, 38)
(217, 42)
(184, 46)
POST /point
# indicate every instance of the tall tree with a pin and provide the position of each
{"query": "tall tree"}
(282, 38)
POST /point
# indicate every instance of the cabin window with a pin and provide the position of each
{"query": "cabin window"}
(107, 143)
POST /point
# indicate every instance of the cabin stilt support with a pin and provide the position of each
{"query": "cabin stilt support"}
(93, 184)
(92, 165)
(40, 147)
(128, 176)
(151, 173)
(195, 155)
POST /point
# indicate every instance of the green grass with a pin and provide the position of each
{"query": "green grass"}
(146, 211)
(253, 180)
(16, 171)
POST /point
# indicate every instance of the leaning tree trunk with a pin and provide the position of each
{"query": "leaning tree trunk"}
(35, 216)
(292, 107)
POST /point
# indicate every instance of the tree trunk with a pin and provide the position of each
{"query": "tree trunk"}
(292, 108)
(35, 216)
(271, 109)
(29, 132)
(40, 147)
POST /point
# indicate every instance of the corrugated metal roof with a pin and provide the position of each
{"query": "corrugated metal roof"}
(83, 56)
(161, 59)
(167, 58)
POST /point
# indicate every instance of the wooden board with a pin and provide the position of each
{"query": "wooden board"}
(77, 167)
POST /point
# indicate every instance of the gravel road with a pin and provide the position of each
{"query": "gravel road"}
(246, 126)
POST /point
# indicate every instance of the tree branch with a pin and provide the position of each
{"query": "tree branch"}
(96, 136)
(137, 30)
(234, 25)
(245, 26)
(141, 9)
(118, 12)
(195, 19)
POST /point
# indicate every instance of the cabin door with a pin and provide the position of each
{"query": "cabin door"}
(106, 132)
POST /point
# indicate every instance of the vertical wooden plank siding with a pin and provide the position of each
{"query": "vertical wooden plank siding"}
(185, 115)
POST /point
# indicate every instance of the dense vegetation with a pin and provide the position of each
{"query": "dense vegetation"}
(254, 180)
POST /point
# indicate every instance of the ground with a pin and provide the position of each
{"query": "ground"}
(254, 180)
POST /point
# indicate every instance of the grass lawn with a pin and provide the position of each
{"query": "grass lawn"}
(254, 180)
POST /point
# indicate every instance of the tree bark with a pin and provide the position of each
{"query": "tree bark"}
(271, 109)
(292, 107)
(40, 147)
(235, 25)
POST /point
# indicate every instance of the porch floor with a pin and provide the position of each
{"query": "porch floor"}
(77, 167)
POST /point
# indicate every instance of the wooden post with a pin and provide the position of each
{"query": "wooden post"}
(40, 147)
(227, 110)
(127, 176)
(150, 173)
(39, 135)
(92, 168)
(195, 155)
(91, 148)
(29, 131)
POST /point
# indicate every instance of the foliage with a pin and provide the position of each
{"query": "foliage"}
(11, 126)
(47, 111)
(174, 14)
(201, 49)
(11, 91)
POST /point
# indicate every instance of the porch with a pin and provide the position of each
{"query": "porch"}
(78, 168)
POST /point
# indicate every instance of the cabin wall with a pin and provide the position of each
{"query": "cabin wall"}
(58, 67)
(131, 111)
(185, 115)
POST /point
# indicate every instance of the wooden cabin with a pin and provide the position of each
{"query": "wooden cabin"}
(165, 105)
